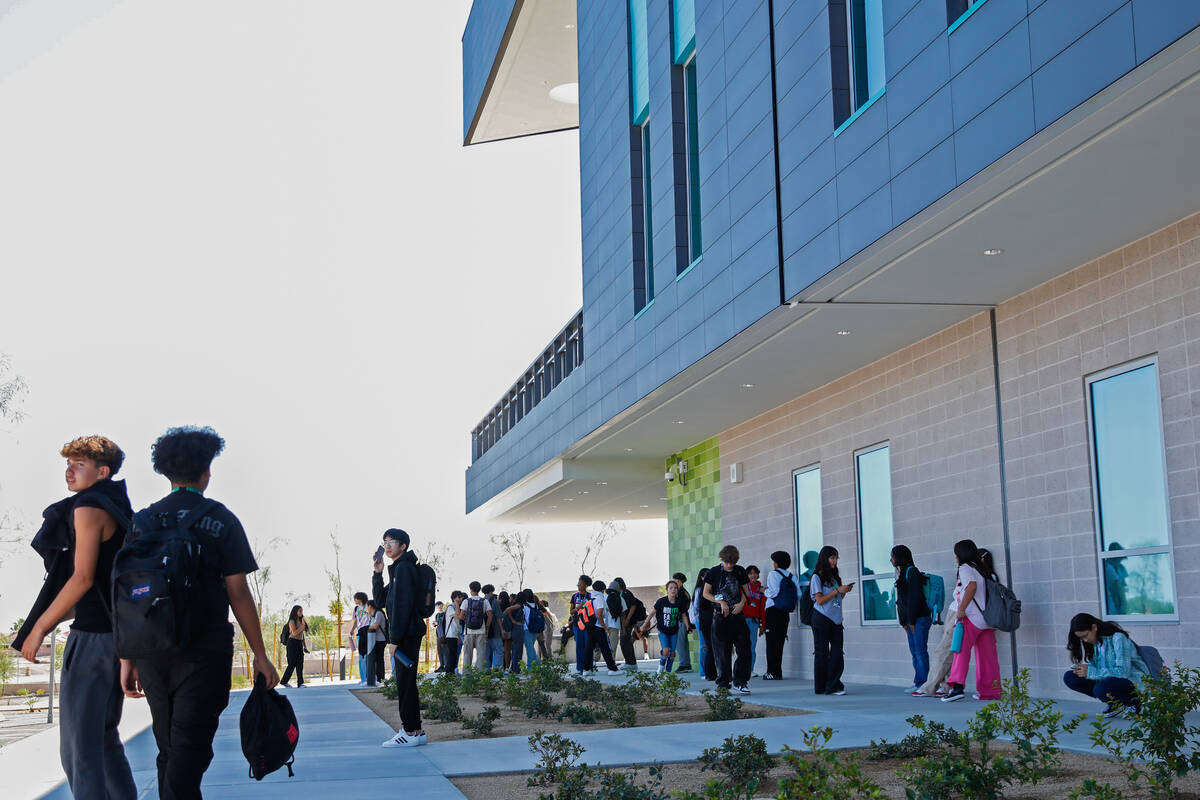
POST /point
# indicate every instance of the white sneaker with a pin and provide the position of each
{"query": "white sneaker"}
(614, 672)
(839, 693)
(405, 739)
(912, 689)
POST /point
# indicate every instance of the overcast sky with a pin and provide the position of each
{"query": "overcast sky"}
(259, 216)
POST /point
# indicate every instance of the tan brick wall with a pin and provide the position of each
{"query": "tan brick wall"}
(934, 403)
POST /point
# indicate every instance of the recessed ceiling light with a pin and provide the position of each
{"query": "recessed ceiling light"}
(643, 505)
(602, 483)
(541, 512)
(628, 449)
(794, 304)
(747, 385)
(566, 93)
(843, 333)
(678, 422)
(662, 498)
(554, 506)
(570, 499)
(585, 491)
(993, 251)
(627, 511)
(569, 26)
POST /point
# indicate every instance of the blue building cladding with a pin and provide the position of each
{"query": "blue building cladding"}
(772, 175)
(481, 42)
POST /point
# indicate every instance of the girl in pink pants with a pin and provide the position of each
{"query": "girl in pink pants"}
(970, 597)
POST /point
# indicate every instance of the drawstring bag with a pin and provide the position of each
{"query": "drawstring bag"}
(269, 731)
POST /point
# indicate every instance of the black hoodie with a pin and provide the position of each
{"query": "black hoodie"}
(399, 598)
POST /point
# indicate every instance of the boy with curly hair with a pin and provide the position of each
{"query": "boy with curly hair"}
(188, 690)
(81, 534)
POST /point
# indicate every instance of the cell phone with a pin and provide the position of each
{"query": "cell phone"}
(379, 554)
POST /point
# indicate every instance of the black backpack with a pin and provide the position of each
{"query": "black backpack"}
(269, 731)
(476, 612)
(805, 604)
(426, 586)
(152, 580)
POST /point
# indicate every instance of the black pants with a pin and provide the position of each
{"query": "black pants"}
(598, 637)
(380, 656)
(186, 699)
(295, 661)
(453, 646)
(406, 681)
(730, 634)
(1114, 692)
(828, 660)
(627, 651)
(518, 648)
(709, 668)
(776, 625)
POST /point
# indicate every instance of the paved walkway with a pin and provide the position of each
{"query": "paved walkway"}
(339, 743)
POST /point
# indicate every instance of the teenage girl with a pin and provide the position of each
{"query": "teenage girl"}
(970, 595)
(913, 612)
(1106, 664)
(827, 591)
(703, 617)
(670, 613)
(297, 627)
(753, 611)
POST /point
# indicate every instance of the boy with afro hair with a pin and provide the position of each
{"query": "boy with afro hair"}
(88, 528)
(188, 690)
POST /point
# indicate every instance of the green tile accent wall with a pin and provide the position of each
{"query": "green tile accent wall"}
(694, 534)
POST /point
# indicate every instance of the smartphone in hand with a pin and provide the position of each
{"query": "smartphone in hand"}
(379, 554)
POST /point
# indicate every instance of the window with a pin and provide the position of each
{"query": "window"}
(683, 29)
(856, 50)
(809, 533)
(1129, 493)
(873, 482)
(694, 244)
(957, 11)
(643, 249)
(639, 62)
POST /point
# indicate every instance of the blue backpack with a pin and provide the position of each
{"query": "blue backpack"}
(934, 589)
(785, 600)
(537, 621)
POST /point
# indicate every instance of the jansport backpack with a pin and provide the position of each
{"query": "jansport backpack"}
(787, 596)
(1002, 610)
(476, 612)
(269, 731)
(152, 580)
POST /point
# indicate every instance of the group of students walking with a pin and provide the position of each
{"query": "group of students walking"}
(483, 629)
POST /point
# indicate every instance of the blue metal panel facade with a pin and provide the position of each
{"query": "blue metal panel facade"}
(480, 43)
(954, 103)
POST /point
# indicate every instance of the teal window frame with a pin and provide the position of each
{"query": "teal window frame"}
(865, 56)
(639, 62)
(869, 515)
(683, 30)
(691, 123)
(647, 216)
(963, 17)
(1135, 429)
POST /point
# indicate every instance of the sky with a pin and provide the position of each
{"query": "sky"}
(260, 217)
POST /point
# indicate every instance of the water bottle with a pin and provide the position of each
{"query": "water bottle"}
(957, 642)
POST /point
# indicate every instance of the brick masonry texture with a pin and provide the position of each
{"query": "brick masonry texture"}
(934, 402)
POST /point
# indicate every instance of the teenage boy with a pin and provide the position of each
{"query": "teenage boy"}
(495, 637)
(775, 621)
(88, 743)
(406, 629)
(476, 621)
(583, 619)
(607, 627)
(439, 630)
(725, 588)
(685, 650)
(188, 690)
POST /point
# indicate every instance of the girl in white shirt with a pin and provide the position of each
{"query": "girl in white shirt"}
(970, 598)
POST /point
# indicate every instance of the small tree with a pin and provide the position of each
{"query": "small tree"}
(13, 390)
(514, 549)
(589, 552)
(339, 602)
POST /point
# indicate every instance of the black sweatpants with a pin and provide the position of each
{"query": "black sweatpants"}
(186, 698)
(295, 661)
(406, 683)
(829, 659)
(729, 634)
(627, 651)
(776, 626)
(380, 656)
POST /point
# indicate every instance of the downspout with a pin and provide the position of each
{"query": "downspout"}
(1008, 576)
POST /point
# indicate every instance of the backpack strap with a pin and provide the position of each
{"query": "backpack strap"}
(194, 516)
(110, 507)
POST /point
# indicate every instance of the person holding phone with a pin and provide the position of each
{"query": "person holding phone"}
(827, 591)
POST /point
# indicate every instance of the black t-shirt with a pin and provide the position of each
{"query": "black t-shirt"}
(667, 614)
(727, 585)
(224, 551)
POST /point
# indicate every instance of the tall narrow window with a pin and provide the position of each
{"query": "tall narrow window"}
(1129, 485)
(873, 481)
(856, 50)
(639, 156)
(809, 532)
(956, 9)
(683, 29)
(691, 115)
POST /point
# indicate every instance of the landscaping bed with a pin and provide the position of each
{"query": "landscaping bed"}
(546, 699)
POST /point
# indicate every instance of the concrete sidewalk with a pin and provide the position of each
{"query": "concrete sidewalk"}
(339, 749)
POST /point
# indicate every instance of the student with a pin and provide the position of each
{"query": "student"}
(670, 614)
(454, 630)
(970, 596)
(530, 607)
(504, 601)
(188, 690)
(298, 626)
(633, 616)
(546, 639)
(941, 660)
(754, 613)
(358, 636)
(582, 617)
(378, 642)
(476, 619)
(685, 652)
(515, 614)
(701, 613)
(775, 620)
(827, 591)
(495, 638)
(439, 630)
(1107, 665)
(614, 612)
(607, 629)
(406, 629)
(725, 588)
(913, 612)
(618, 608)
(89, 745)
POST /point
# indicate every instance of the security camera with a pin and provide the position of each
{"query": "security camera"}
(669, 477)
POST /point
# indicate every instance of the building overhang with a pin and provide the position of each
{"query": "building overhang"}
(520, 69)
(1120, 166)
(566, 490)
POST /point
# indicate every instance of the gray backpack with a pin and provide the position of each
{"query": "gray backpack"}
(1002, 609)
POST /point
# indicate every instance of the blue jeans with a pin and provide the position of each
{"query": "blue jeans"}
(667, 642)
(495, 647)
(703, 650)
(752, 624)
(918, 646)
(1115, 692)
(362, 669)
(531, 656)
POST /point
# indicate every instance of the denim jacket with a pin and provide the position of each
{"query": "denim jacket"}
(1116, 657)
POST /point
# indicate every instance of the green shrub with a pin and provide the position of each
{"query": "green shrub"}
(547, 675)
(625, 786)
(513, 690)
(439, 698)
(1159, 745)
(931, 737)
(721, 704)
(820, 774)
(584, 689)
(536, 703)
(573, 786)
(741, 760)
(491, 685)
(388, 688)
(482, 723)
(473, 681)
(667, 690)
(557, 757)
(616, 708)
(579, 713)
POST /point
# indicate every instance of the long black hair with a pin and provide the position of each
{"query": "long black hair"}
(292, 616)
(1080, 649)
(700, 576)
(825, 571)
(904, 559)
(966, 552)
